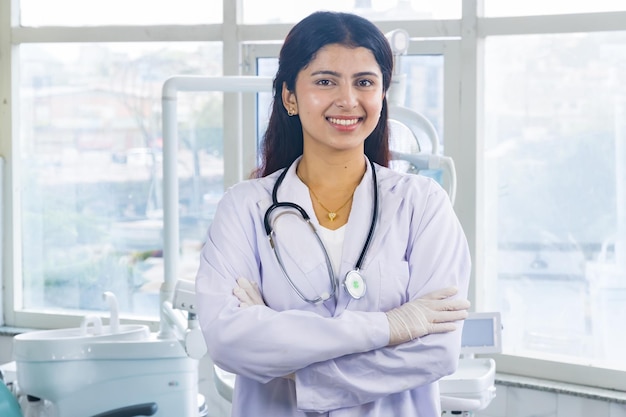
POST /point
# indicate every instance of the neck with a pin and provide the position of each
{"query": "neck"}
(339, 174)
(331, 185)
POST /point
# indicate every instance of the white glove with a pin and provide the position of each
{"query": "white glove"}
(248, 293)
(433, 313)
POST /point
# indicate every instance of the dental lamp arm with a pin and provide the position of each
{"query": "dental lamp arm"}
(187, 331)
(399, 42)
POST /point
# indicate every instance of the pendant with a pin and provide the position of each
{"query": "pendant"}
(332, 216)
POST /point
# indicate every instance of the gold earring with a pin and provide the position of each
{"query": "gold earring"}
(291, 112)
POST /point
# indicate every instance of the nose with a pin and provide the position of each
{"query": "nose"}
(347, 97)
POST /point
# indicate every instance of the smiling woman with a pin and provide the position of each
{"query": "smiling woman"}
(374, 340)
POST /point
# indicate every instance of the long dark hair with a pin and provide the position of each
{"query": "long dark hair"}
(283, 141)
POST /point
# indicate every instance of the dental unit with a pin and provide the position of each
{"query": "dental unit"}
(112, 370)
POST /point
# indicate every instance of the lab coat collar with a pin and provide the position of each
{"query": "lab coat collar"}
(294, 190)
(359, 224)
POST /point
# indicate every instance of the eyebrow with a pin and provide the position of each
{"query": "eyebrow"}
(336, 74)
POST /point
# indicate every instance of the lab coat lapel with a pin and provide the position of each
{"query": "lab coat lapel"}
(360, 222)
(293, 190)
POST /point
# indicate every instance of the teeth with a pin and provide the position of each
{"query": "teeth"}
(343, 122)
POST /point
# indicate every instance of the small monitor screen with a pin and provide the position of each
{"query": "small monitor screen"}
(482, 333)
(478, 332)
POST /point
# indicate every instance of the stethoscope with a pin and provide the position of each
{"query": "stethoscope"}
(353, 283)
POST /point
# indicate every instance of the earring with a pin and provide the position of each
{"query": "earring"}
(291, 112)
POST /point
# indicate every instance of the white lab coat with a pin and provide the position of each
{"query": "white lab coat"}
(336, 350)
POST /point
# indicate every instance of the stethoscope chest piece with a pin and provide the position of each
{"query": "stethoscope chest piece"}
(355, 284)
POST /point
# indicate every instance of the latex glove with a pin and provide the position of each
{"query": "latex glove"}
(434, 313)
(248, 293)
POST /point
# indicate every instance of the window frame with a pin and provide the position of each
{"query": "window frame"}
(580, 374)
(464, 140)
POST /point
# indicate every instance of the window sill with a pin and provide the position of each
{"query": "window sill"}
(600, 394)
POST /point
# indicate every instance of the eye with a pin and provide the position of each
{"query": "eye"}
(365, 83)
(323, 82)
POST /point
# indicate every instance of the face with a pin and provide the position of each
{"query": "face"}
(338, 97)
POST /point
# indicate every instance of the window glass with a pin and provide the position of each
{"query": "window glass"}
(495, 8)
(119, 12)
(424, 87)
(91, 169)
(555, 163)
(288, 11)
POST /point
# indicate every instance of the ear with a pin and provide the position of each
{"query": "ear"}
(289, 100)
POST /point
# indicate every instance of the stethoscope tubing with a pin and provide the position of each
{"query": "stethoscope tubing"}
(370, 234)
(285, 204)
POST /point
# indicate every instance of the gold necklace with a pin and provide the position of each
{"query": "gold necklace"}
(332, 214)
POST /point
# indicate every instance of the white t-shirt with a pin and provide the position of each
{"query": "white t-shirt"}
(333, 242)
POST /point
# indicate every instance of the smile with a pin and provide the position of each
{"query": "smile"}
(343, 122)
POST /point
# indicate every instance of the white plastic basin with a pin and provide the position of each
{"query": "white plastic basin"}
(70, 344)
(471, 387)
(73, 369)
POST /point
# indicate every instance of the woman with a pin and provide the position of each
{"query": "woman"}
(360, 322)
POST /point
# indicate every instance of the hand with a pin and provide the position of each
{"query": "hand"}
(248, 293)
(433, 313)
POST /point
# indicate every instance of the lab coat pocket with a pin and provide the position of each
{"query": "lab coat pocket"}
(299, 264)
(394, 281)
(280, 294)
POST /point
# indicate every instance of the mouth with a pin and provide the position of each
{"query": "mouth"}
(344, 122)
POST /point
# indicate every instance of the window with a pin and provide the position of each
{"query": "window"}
(119, 12)
(539, 7)
(255, 12)
(555, 157)
(91, 157)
